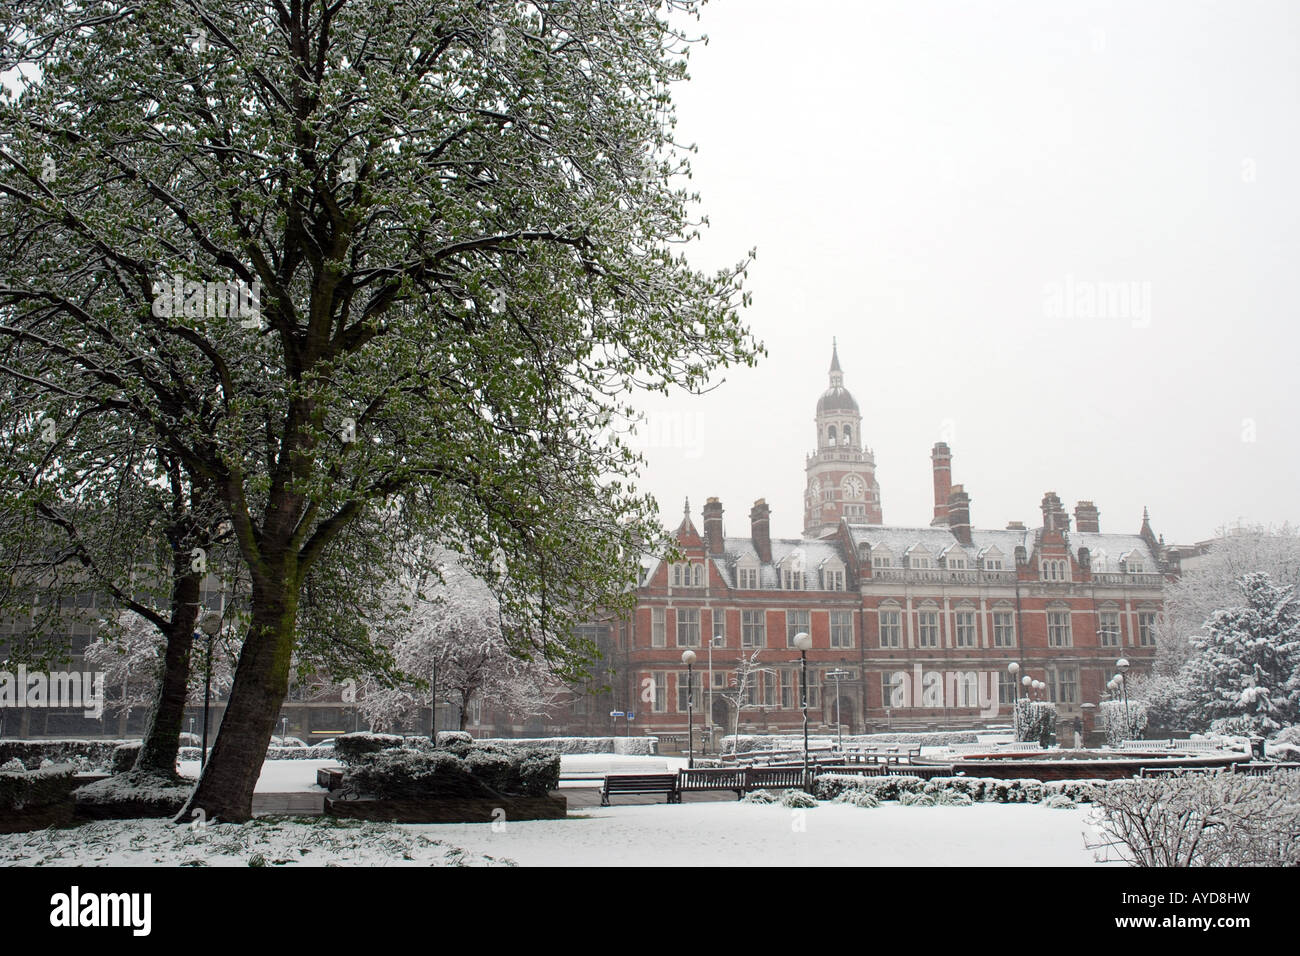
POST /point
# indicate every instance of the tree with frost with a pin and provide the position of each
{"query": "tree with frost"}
(743, 685)
(453, 642)
(1244, 672)
(364, 256)
(1214, 583)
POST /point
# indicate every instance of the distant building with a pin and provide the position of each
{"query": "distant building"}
(920, 622)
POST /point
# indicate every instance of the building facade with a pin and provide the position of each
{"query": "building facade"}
(912, 627)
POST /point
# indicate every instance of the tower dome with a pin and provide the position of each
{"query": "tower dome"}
(836, 398)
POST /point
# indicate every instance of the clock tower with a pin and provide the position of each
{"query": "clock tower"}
(841, 473)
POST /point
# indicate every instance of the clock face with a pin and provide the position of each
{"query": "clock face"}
(853, 487)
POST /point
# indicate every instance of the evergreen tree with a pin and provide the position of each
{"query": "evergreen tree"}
(1244, 673)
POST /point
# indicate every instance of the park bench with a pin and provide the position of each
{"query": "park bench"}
(741, 780)
(621, 783)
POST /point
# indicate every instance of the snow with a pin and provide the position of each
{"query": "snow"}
(325, 842)
(735, 834)
(690, 834)
(278, 776)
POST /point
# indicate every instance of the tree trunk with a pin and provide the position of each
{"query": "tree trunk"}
(261, 684)
(161, 740)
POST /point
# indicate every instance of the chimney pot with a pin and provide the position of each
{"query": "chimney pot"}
(760, 530)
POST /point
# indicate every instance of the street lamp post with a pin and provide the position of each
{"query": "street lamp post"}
(804, 642)
(835, 675)
(720, 641)
(688, 658)
(210, 625)
(1013, 669)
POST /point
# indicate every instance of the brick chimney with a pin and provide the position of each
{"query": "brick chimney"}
(1087, 517)
(760, 529)
(1054, 515)
(941, 462)
(1015, 526)
(959, 513)
(713, 526)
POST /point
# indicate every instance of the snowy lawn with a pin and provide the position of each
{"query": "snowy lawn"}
(692, 834)
(322, 841)
(736, 834)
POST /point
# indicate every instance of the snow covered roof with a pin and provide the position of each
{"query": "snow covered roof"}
(935, 540)
(1114, 546)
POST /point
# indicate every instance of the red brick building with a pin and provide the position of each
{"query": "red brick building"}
(920, 622)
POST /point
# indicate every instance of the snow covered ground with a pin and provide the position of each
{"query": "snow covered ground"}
(263, 842)
(278, 776)
(692, 834)
(736, 834)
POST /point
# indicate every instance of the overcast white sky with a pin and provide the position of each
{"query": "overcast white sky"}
(919, 176)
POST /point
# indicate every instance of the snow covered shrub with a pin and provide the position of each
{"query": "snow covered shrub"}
(828, 786)
(22, 789)
(1035, 720)
(798, 800)
(1059, 801)
(351, 747)
(1119, 728)
(1200, 819)
(84, 755)
(976, 788)
(941, 798)
(133, 794)
(124, 757)
(13, 765)
(406, 774)
(1077, 791)
(759, 796)
(448, 738)
(393, 774)
(1285, 745)
(856, 797)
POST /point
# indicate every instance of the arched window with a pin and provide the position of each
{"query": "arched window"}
(848, 433)
(830, 433)
(699, 575)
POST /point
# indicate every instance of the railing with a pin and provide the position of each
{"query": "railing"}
(1112, 577)
(943, 575)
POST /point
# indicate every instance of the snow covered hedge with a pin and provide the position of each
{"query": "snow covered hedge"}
(1118, 728)
(833, 786)
(132, 794)
(25, 789)
(460, 770)
(745, 743)
(84, 755)
(272, 753)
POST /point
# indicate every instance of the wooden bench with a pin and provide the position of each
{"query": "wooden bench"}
(617, 783)
(741, 780)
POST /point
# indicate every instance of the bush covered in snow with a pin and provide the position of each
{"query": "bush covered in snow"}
(832, 786)
(84, 755)
(798, 800)
(13, 765)
(350, 748)
(25, 789)
(1058, 801)
(857, 797)
(1117, 726)
(1285, 745)
(759, 796)
(1201, 819)
(459, 770)
(939, 798)
(124, 757)
(828, 786)
(1035, 720)
(272, 753)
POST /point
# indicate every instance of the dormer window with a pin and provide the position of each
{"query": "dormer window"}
(792, 579)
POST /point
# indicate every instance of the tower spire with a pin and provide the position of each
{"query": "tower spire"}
(837, 374)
